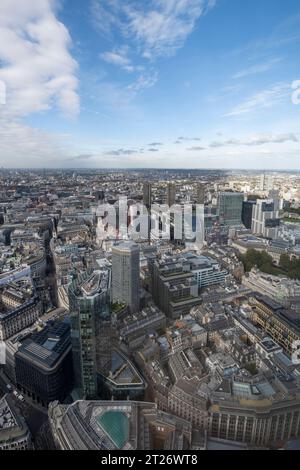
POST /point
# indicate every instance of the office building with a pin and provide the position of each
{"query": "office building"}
(230, 208)
(43, 364)
(171, 194)
(123, 381)
(126, 275)
(248, 417)
(89, 298)
(147, 194)
(117, 425)
(14, 432)
(134, 328)
(279, 288)
(173, 286)
(207, 271)
(265, 219)
(266, 182)
(281, 324)
(200, 193)
(247, 212)
(20, 307)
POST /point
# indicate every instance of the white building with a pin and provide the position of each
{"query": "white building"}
(266, 218)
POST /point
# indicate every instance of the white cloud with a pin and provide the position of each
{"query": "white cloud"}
(143, 82)
(120, 58)
(24, 146)
(257, 68)
(258, 139)
(36, 65)
(263, 99)
(143, 32)
(39, 74)
(158, 27)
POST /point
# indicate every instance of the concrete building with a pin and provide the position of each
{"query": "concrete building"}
(173, 287)
(265, 219)
(126, 275)
(206, 270)
(279, 288)
(258, 422)
(43, 364)
(14, 433)
(117, 425)
(134, 328)
(20, 307)
(281, 324)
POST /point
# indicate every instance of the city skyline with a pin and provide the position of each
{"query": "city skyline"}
(190, 84)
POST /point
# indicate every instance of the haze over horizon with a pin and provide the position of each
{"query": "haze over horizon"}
(166, 84)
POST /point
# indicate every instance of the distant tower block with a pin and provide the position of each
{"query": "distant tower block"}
(200, 193)
(171, 194)
(266, 182)
(147, 194)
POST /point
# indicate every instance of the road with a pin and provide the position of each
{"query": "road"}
(34, 415)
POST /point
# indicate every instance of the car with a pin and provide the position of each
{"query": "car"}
(15, 393)
(9, 387)
(21, 398)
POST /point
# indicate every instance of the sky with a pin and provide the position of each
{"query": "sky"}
(150, 84)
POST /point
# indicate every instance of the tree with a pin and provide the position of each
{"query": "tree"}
(285, 261)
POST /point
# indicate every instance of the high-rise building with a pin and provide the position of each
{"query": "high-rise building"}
(265, 219)
(266, 182)
(43, 364)
(174, 286)
(126, 274)
(230, 208)
(247, 211)
(200, 193)
(171, 194)
(147, 194)
(89, 298)
(275, 196)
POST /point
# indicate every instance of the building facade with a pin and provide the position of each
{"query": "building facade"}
(126, 275)
(230, 208)
(89, 298)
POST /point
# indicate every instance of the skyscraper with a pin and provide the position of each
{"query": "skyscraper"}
(200, 193)
(266, 182)
(230, 208)
(147, 194)
(247, 213)
(171, 194)
(266, 218)
(126, 274)
(89, 298)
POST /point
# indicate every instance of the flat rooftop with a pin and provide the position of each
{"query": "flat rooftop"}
(116, 426)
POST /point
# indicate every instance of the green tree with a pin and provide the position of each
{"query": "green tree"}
(285, 262)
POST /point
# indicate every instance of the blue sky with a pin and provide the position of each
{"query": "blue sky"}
(154, 83)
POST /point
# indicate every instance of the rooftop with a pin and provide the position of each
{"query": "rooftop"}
(115, 424)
